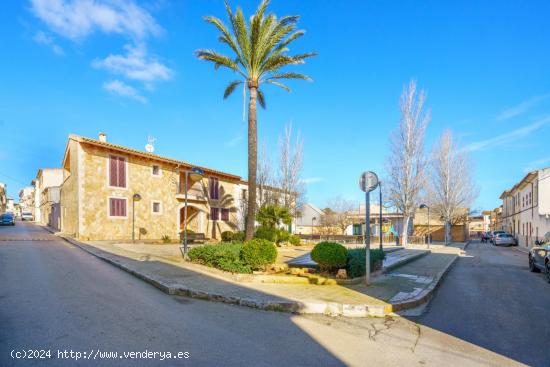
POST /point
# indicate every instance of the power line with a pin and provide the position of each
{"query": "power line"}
(13, 179)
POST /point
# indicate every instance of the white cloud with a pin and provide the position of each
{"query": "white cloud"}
(77, 19)
(537, 164)
(312, 180)
(233, 142)
(509, 137)
(136, 65)
(123, 89)
(521, 108)
(47, 40)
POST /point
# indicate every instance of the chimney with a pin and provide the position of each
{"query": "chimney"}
(103, 137)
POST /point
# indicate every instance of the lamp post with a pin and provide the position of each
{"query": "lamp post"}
(380, 214)
(424, 206)
(196, 174)
(135, 197)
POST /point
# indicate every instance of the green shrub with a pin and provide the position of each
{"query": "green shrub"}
(356, 261)
(258, 253)
(238, 236)
(224, 256)
(227, 236)
(283, 236)
(295, 240)
(329, 255)
(266, 233)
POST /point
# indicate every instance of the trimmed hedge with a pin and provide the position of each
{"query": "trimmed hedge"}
(329, 255)
(227, 236)
(224, 256)
(266, 233)
(258, 253)
(295, 240)
(356, 261)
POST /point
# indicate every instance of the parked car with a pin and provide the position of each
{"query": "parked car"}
(504, 239)
(26, 216)
(7, 219)
(539, 256)
(494, 234)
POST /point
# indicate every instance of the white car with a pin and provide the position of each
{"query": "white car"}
(26, 216)
(504, 239)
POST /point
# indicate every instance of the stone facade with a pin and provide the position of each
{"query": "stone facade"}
(86, 193)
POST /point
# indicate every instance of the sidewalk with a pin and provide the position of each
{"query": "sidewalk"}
(406, 287)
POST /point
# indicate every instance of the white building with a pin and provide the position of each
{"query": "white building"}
(526, 207)
(45, 178)
(309, 220)
(26, 199)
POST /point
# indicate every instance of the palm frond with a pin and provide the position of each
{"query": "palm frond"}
(218, 60)
(231, 87)
(289, 75)
(261, 98)
(278, 84)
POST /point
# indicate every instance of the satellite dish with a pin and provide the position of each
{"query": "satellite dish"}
(150, 148)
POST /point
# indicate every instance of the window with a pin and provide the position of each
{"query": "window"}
(117, 207)
(214, 213)
(243, 194)
(117, 171)
(225, 214)
(214, 188)
(155, 170)
(156, 207)
(357, 230)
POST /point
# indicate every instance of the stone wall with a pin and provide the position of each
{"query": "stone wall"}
(69, 191)
(96, 224)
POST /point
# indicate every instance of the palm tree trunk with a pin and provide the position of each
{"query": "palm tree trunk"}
(252, 161)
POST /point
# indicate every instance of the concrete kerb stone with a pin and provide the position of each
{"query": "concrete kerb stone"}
(326, 308)
(427, 293)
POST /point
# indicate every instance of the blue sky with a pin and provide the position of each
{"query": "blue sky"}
(128, 68)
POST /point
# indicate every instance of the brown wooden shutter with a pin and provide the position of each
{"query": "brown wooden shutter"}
(113, 171)
(121, 172)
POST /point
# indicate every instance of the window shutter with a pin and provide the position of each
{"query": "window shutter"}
(112, 207)
(112, 171)
(122, 207)
(121, 172)
(225, 214)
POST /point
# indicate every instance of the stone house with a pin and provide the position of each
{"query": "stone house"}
(102, 183)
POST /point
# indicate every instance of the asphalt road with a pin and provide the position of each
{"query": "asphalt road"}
(55, 297)
(491, 299)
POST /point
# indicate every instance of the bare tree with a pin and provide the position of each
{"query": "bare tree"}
(265, 178)
(407, 163)
(290, 171)
(452, 188)
(340, 215)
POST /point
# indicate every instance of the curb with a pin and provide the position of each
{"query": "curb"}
(405, 261)
(426, 294)
(326, 308)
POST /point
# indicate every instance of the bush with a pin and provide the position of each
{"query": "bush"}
(224, 256)
(329, 255)
(283, 236)
(356, 261)
(266, 233)
(238, 236)
(258, 253)
(295, 240)
(227, 236)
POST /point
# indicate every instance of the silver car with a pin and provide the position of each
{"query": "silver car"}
(504, 239)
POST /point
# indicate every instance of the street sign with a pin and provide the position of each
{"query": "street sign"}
(368, 181)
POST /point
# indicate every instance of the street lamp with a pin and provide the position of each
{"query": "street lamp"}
(135, 197)
(380, 214)
(196, 174)
(424, 206)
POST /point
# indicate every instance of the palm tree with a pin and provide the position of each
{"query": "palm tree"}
(272, 216)
(259, 52)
